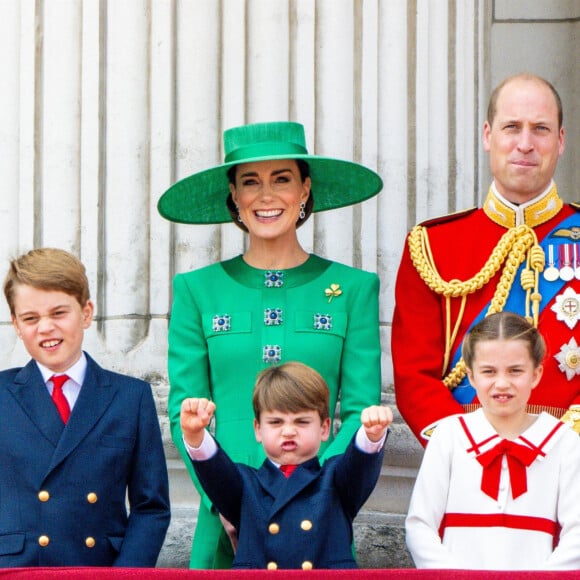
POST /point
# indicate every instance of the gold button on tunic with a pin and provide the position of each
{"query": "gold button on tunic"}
(272, 566)
(43, 495)
(306, 565)
(44, 541)
(306, 525)
(90, 542)
(92, 497)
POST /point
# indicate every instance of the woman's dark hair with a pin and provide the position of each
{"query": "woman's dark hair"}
(304, 169)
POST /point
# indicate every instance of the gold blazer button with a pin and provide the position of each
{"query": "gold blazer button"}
(274, 528)
(44, 541)
(306, 565)
(92, 497)
(90, 542)
(272, 566)
(43, 495)
(306, 525)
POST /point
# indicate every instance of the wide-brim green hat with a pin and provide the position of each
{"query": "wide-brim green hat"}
(201, 197)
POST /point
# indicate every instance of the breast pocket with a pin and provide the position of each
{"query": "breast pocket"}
(116, 442)
(321, 339)
(229, 337)
(226, 324)
(321, 324)
(115, 454)
(11, 543)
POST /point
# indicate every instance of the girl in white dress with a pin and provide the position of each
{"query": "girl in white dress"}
(498, 488)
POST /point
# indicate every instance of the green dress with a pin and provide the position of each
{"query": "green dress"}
(229, 321)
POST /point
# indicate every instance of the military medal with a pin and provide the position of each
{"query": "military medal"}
(569, 359)
(551, 273)
(566, 271)
(567, 307)
(576, 263)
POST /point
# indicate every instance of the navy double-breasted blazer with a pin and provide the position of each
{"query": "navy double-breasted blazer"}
(64, 489)
(304, 521)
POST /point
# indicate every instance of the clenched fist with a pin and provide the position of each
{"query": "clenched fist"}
(375, 420)
(196, 415)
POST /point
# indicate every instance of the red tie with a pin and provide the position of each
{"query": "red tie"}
(519, 458)
(58, 397)
(287, 469)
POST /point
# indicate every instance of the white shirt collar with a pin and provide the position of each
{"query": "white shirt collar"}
(76, 372)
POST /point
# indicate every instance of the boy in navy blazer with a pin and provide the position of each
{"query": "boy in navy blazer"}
(69, 464)
(291, 512)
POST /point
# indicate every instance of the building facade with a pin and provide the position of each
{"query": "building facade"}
(105, 103)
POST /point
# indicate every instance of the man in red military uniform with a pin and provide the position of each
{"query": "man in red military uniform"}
(519, 252)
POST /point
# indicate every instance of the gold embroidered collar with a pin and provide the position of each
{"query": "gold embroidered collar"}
(533, 213)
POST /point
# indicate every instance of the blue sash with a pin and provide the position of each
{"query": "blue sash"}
(464, 393)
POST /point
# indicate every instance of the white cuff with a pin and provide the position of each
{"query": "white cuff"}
(364, 444)
(206, 450)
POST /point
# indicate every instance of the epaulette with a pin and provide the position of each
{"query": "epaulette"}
(449, 217)
(575, 205)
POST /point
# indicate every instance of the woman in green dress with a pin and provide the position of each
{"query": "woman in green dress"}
(273, 304)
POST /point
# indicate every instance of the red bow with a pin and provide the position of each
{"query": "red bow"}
(519, 458)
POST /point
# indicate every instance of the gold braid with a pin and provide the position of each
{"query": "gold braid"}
(515, 246)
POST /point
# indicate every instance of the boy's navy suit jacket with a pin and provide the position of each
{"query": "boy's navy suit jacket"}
(63, 489)
(301, 521)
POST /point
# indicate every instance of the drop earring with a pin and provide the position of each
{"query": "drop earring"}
(302, 213)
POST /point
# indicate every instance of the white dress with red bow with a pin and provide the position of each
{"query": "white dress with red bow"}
(482, 502)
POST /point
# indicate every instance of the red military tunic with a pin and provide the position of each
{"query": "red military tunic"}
(460, 246)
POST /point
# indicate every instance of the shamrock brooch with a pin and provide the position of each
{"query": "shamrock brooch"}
(333, 291)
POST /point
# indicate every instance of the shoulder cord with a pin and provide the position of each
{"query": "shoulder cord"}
(515, 246)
